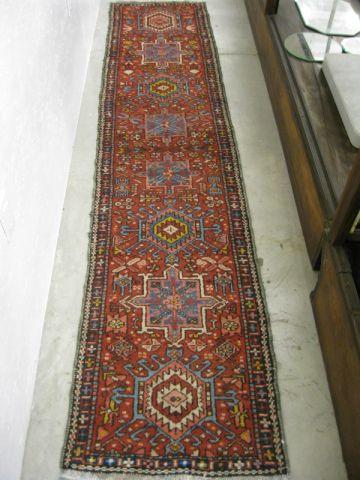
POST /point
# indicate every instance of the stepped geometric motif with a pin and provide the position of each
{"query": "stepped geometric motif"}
(168, 173)
(175, 400)
(175, 304)
(160, 21)
(165, 125)
(161, 52)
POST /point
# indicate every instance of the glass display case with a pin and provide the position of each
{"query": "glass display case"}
(329, 18)
(324, 169)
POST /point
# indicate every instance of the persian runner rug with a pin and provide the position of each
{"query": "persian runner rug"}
(174, 369)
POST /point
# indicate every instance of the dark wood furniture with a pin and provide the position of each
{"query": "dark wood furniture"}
(324, 170)
(347, 208)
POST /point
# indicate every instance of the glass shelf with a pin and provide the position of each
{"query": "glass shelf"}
(331, 17)
(311, 47)
(351, 45)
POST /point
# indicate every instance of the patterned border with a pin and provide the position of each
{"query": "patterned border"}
(230, 156)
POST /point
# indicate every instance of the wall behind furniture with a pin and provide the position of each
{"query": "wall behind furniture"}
(44, 52)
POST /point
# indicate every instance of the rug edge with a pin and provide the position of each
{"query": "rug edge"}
(255, 258)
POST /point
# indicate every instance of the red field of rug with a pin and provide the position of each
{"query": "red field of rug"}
(174, 369)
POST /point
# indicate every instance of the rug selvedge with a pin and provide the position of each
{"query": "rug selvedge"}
(174, 369)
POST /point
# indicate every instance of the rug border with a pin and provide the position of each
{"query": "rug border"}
(255, 269)
(254, 257)
(91, 247)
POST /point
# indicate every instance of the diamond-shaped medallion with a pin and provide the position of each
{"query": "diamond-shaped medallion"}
(174, 399)
(226, 350)
(163, 87)
(159, 21)
(171, 230)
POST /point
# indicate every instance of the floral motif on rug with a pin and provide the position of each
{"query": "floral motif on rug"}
(174, 369)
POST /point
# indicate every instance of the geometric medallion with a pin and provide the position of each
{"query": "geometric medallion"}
(161, 53)
(159, 21)
(165, 125)
(174, 304)
(171, 230)
(174, 399)
(168, 173)
(162, 87)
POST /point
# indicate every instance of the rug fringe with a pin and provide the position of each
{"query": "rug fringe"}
(73, 475)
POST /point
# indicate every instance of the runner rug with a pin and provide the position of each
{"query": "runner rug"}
(174, 369)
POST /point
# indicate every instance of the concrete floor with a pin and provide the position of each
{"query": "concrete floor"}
(310, 430)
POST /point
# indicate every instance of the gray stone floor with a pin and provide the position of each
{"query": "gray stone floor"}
(310, 430)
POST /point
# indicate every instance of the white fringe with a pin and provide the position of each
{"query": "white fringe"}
(73, 475)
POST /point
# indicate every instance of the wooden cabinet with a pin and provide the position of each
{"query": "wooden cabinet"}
(337, 313)
(324, 170)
